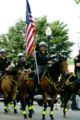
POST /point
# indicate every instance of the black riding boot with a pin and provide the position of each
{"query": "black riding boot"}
(37, 88)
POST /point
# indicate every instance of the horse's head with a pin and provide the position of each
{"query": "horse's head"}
(63, 65)
(58, 67)
(24, 74)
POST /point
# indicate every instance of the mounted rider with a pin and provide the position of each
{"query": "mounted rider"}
(4, 61)
(22, 63)
(77, 67)
(42, 60)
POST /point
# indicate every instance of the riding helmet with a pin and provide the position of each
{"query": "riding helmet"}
(20, 54)
(42, 43)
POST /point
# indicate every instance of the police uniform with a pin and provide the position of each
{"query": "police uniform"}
(77, 73)
(21, 64)
(42, 59)
(77, 66)
(4, 62)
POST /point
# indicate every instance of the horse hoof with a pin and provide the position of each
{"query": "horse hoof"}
(32, 111)
(15, 111)
(30, 115)
(6, 111)
(64, 116)
(25, 116)
(43, 118)
(52, 118)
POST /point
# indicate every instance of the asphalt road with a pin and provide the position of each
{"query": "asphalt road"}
(58, 115)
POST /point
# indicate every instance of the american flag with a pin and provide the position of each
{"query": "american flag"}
(30, 30)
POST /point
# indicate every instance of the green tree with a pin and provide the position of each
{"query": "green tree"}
(40, 29)
(60, 42)
(3, 41)
(14, 40)
(77, 1)
(16, 36)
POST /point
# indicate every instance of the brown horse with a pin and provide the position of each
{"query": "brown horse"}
(48, 84)
(8, 87)
(26, 91)
(48, 81)
(71, 86)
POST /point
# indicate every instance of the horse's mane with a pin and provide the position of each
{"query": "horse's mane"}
(54, 71)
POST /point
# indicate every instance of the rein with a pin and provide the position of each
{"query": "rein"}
(2, 77)
(9, 81)
(68, 79)
(54, 84)
(26, 77)
(48, 78)
(14, 82)
(57, 86)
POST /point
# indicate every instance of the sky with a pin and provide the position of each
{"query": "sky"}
(64, 10)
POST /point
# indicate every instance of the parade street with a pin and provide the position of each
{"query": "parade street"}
(72, 115)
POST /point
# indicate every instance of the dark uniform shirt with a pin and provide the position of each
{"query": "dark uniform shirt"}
(4, 63)
(77, 60)
(22, 65)
(42, 58)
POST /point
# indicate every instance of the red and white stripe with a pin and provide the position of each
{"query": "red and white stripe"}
(30, 31)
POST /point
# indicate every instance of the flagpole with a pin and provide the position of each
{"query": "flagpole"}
(34, 52)
(30, 32)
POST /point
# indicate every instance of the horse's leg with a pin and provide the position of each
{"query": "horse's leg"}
(45, 96)
(5, 104)
(30, 106)
(62, 98)
(51, 112)
(65, 107)
(12, 98)
(66, 99)
(53, 99)
(23, 104)
(12, 104)
(15, 107)
(7, 100)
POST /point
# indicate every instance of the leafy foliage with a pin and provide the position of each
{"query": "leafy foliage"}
(60, 42)
(14, 40)
(77, 1)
